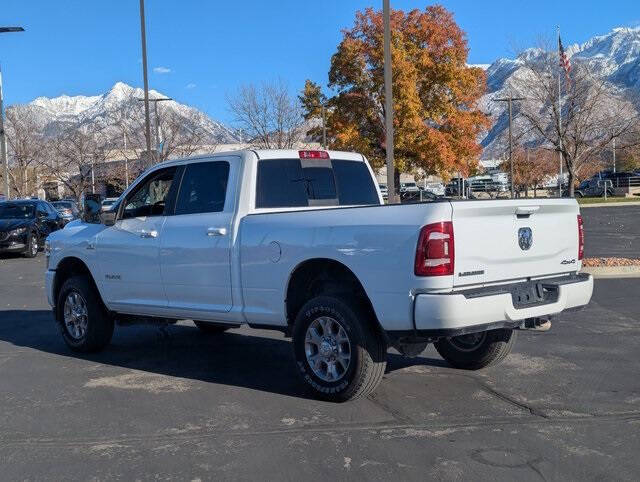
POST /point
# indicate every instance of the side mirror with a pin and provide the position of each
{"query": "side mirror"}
(108, 217)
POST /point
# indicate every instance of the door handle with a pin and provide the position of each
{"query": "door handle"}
(149, 234)
(216, 231)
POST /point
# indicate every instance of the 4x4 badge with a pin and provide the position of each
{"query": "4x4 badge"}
(525, 238)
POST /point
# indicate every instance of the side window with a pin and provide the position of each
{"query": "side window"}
(51, 211)
(42, 210)
(203, 188)
(151, 198)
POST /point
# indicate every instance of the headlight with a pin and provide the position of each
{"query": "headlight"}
(18, 231)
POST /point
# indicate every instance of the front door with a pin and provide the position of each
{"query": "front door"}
(129, 250)
(196, 243)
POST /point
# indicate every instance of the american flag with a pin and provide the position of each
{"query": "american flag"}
(565, 63)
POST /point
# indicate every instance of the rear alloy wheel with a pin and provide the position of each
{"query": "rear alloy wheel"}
(83, 320)
(339, 353)
(477, 350)
(32, 246)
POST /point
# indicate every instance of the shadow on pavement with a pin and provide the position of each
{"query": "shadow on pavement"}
(233, 358)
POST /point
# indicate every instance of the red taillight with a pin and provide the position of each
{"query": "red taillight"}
(580, 238)
(435, 253)
(313, 154)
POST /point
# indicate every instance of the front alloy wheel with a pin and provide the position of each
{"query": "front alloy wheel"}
(76, 315)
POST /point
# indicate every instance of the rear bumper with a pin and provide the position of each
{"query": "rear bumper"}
(493, 307)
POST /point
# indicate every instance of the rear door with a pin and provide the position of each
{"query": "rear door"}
(514, 239)
(195, 246)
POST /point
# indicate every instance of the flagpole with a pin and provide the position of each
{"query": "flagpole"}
(560, 181)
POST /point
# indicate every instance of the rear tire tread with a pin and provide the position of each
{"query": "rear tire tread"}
(495, 348)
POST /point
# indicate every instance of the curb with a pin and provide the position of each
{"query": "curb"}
(603, 272)
(609, 205)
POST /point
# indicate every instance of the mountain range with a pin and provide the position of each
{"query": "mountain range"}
(614, 56)
(53, 115)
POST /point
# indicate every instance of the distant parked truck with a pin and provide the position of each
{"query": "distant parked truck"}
(299, 241)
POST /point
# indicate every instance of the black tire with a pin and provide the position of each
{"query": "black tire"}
(32, 246)
(477, 350)
(99, 328)
(211, 328)
(368, 349)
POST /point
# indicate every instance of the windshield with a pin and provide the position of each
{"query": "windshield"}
(16, 211)
(108, 202)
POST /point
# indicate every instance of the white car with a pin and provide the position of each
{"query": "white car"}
(436, 188)
(409, 187)
(299, 241)
(108, 202)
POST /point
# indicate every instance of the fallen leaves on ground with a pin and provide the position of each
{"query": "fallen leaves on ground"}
(598, 262)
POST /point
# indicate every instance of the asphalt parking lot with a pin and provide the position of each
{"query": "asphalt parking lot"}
(169, 402)
(612, 231)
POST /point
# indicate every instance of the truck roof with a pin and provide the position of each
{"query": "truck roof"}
(266, 154)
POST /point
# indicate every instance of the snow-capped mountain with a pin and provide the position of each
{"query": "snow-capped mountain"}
(56, 114)
(615, 57)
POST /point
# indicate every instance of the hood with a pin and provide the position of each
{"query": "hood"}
(10, 224)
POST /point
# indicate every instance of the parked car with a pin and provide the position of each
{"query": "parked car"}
(436, 188)
(25, 224)
(417, 196)
(594, 187)
(67, 209)
(409, 187)
(300, 241)
(456, 187)
(108, 202)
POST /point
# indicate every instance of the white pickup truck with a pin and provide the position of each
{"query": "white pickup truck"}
(300, 241)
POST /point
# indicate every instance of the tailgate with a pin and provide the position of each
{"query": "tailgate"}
(499, 240)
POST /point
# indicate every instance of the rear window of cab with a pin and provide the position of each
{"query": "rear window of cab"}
(289, 183)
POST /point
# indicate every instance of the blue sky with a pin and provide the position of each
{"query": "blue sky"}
(202, 50)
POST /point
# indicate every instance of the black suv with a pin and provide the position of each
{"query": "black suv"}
(25, 224)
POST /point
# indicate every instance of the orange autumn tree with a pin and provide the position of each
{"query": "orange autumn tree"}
(436, 119)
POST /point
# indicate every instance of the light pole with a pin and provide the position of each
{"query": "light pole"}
(3, 140)
(388, 103)
(510, 101)
(324, 124)
(155, 111)
(147, 121)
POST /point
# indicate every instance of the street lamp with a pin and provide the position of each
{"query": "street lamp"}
(3, 140)
(147, 121)
(510, 101)
(388, 103)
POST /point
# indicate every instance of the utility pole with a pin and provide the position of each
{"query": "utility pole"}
(155, 112)
(147, 121)
(388, 104)
(614, 155)
(510, 101)
(3, 140)
(324, 128)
